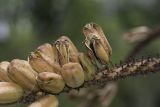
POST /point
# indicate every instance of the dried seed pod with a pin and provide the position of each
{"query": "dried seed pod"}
(73, 74)
(56, 59)
(67, 50)
(10, 92)
(42, 63)
(22, 73)
(88, 67)
(50, 51)
(94, 35)
(94, 29)
(50, 82)
(46, 101)
(3, 71)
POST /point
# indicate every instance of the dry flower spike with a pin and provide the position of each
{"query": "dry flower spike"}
(53, 69)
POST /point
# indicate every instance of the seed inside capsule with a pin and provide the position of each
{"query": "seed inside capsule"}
(101, 54)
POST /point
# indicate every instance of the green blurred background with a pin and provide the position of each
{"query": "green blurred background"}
(25, 24)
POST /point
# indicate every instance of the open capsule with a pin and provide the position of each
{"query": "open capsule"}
(97, 44)
(67, 50)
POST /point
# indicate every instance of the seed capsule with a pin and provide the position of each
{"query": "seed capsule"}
(42, 63)
(10, 92)
(46, 101)
(21, 72)
(97, 43)
(67, 50)
(95, 29)
(3, 71)
(73, 74)
(49, 51)
(50, 82)
(88, 67)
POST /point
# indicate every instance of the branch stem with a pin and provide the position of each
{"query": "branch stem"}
(132, 68)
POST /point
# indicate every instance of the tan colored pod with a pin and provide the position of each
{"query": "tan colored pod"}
(3, 71)
(22, 73)
(67, 50)
(97, 44)
(94, 29)
(56, 56)
(42, 63)
(50, 51)
(10, 92)
(73, 74)
(88, 67)
(50, 82)
(46, 101)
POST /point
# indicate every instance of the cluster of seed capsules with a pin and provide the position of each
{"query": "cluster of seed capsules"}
(53, 67)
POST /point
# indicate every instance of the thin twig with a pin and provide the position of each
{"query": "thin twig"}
(90, 97)
(152, 36)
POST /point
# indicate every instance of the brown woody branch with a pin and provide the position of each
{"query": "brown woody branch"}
(132, 68)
